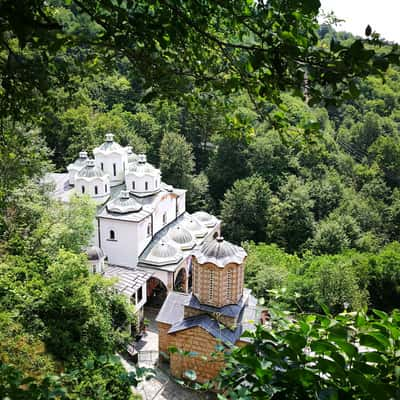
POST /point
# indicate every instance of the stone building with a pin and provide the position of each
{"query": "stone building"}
(215, 314)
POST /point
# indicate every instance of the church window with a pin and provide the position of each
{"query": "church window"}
(96, 190)
(83, 189)
(229, 285)
(164, 218)
(211, 286)
(105, 187)
(146, 186)
(148, 230)
(112, 235)
(140, 294)
(102, 166)
(133, 185)
(115, 169)
(94, 269)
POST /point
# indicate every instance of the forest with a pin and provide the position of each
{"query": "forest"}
(286, 129)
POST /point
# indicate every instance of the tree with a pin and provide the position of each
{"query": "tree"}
(291, 221)
(176, 160)
(268, 268)
(244, 209)
(76, 310)
(352, 356)
(329, 238)
(228, 163)
(264, 47)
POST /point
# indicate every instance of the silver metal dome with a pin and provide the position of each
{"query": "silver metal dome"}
(90, 171)
(124, 204)
(163, 250)
(206, 218)
(220, 252)
(109, 145)
(194, 226)
(142, 167)
(182, 237)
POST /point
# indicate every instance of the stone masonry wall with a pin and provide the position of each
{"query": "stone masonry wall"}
(200, 341)
(225, 288)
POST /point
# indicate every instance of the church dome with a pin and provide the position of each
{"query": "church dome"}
(80, 162)
(220, 252)
(132, 157)
(194, 226)
(94, 253)
(109, 146)
(142, 167)
(182, 237)
(124, 204)
(163, 250)
(90, 171)
(206, 218)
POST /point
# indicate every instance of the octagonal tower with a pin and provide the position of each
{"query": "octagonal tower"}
(218, 273)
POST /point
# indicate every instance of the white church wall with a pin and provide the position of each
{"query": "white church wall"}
(97, 188)
(122, 249)
(142, 184)
(165, 212)
(144, 234)
(114, 164)
(181, 204)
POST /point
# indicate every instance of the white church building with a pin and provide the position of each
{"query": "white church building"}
(143, 235)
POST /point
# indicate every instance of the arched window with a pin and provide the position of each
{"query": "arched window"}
(133, 185)
(115, 169)
(102, 166)
(112, 235)
(83, 189)
(164, 218)
(96, 190)
(105, 188)
(156, 184)
(146, 186)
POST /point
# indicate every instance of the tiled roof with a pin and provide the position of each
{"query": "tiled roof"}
(232, 310)
(129, 280)
(172, 313)
(220, 252)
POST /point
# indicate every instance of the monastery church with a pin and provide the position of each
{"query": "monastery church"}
(160, 254)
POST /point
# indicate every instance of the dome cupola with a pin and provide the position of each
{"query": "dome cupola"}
(94, 182)
(205, 218)
(124, 204)
(112, 159)
(142, 178)
(164, 254)
(76, 166)
(132, 157)
(182, 237)
(218, 273)
(194, 227)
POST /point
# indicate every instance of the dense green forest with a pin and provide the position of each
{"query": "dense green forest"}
(270, 122)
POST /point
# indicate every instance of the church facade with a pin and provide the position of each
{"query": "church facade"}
(142, 230)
